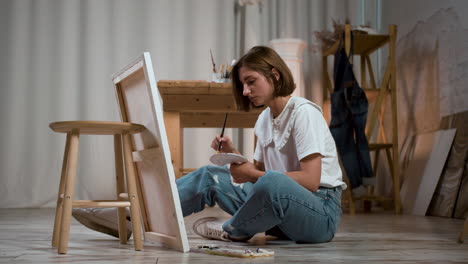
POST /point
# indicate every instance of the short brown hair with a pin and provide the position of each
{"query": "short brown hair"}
(262, 60)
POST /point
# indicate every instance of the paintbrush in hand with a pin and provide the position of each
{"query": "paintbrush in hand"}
(222, 132)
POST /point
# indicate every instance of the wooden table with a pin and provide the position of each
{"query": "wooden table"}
(189, 104)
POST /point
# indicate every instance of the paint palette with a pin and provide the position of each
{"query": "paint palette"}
(222, 159)
(233, 251)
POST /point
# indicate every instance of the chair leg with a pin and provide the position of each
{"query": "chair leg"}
(352, 207)
(376, 162)
(132, 193)
(69, 191)
(395, 181)
(58, 208)
(120, 187)
(464, 232)
(348, 195)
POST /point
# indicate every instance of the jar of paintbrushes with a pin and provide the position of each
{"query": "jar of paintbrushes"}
(221, 74)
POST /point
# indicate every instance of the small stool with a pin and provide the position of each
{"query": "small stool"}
(65, 201)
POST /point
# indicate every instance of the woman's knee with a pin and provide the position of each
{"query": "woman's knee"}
(208, 172)
(271, 182)
(204, 179)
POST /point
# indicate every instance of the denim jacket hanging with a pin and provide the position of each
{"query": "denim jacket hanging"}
(349, 114)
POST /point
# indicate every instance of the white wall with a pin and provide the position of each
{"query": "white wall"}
(57, 59)
(432, 59)
(407, 13)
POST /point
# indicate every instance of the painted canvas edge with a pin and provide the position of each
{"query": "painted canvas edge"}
(157, 104)
(443, 145)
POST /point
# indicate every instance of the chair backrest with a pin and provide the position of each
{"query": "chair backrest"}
(140, 102)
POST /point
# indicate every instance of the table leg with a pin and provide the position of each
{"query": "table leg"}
(175, 137)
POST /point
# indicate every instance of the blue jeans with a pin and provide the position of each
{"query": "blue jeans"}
(274, 203)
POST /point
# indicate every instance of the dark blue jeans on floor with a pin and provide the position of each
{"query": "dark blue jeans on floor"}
(349, 115)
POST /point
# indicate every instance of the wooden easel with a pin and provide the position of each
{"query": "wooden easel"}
(364, 46)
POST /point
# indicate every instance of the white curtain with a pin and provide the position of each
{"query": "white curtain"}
(58, 56)
(57, 60)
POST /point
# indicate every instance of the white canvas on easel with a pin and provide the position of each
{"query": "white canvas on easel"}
(424, 170)
(140, 102)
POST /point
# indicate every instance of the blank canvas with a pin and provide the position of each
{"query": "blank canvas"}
(140, 102)
(424, 170)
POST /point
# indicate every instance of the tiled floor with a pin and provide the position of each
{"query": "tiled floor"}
(25, 236)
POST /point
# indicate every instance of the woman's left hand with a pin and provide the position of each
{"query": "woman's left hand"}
(244, 172)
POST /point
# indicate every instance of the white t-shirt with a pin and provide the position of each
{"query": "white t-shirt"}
(300, 130)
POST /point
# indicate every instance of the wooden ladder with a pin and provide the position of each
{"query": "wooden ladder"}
(364, 45)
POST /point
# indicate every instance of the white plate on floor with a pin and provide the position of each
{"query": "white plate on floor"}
(222, 159)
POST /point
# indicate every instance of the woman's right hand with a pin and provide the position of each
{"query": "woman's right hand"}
(226, 146)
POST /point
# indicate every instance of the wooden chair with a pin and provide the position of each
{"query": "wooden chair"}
(65, 200)
(364, 46)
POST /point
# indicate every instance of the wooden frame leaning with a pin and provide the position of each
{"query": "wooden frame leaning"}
(140, 102)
